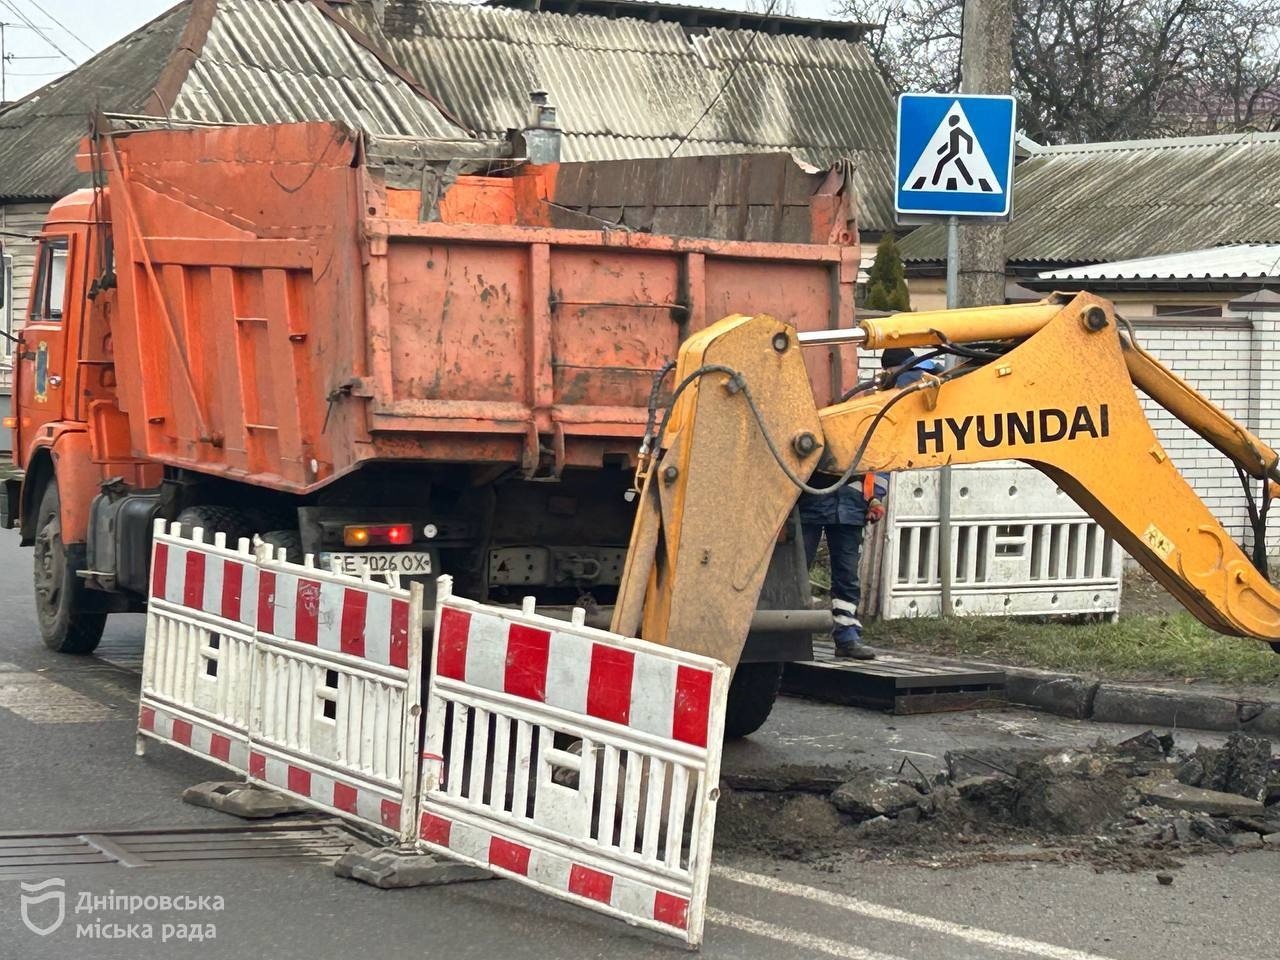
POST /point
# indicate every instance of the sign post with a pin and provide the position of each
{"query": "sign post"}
(954, 159)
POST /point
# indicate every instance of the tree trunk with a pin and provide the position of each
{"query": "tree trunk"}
(986, 65)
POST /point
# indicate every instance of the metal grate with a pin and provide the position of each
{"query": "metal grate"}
(35, 854)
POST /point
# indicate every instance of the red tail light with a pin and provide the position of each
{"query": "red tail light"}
(378, 535)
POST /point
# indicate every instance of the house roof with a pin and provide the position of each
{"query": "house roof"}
(40, 132)
(222, 61)
(630, 87)
(1242, 261)
(1096, 203)
(692, 16)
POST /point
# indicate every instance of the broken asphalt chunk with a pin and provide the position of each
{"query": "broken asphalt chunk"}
(868, 795)
(1179, 796)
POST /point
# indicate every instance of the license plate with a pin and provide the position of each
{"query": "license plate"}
(406, 564)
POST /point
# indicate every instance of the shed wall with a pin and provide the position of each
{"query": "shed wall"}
(19, 223)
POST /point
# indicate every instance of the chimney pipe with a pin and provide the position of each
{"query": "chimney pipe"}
(542, 136)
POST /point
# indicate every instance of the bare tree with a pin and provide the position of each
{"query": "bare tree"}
(1241, 90)
(780, 8)
(1087, 70)
(918, 44)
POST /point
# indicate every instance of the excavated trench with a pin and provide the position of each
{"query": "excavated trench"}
(1138, 804)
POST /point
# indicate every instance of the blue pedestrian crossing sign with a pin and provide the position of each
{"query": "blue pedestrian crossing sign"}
(955, 155)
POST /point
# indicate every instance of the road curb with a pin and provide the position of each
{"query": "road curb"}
(1108, 701)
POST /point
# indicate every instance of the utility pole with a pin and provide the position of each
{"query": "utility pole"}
(7, 59)
(986, 66)
(975, 251)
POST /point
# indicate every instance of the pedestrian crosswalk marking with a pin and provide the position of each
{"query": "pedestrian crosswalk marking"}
(953, 160)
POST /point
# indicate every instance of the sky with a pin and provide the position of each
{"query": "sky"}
(71, 31)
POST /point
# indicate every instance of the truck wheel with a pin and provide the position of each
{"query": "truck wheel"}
(291, 540)
(751, 696)
(70, 617)
(214, 519)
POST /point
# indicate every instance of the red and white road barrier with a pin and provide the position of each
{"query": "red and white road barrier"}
(300, 679)
(580, 762)
(221, 582)
(196, 663)
(335, 695)
(207, 740)
(574, 760)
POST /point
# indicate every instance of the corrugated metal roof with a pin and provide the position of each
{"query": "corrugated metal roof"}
(698, 15)
(628, 88)
(1236, 262)
(273, 61)
(1093, 203)
(261, 61)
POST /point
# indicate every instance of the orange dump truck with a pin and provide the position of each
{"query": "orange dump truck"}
(382, 360)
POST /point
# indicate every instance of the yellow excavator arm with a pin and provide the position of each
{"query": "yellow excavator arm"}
(1051, 384)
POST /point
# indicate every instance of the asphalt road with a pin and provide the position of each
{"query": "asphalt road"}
(67, 765)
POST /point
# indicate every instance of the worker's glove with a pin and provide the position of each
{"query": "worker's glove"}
(875, 511)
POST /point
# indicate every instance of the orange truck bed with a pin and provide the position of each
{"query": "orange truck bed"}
(284, 315)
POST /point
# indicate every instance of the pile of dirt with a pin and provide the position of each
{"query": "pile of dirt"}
(1131, 805)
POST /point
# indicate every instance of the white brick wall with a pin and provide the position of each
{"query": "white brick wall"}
(1238, 368)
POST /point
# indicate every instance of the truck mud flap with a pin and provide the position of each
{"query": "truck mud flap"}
(579, 762)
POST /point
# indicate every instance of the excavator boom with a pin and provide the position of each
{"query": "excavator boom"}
(1052, 384)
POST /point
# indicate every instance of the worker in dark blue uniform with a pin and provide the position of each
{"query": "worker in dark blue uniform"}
(842, 517)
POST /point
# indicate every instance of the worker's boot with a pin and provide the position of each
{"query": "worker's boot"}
(849, 645)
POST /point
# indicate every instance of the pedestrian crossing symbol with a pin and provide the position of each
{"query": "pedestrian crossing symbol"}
(955, 155)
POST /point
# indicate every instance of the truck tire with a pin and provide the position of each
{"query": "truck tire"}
(291, 540)
(751, 696)
(71, 618)
(215, 519)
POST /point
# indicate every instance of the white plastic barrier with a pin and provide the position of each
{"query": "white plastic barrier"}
(195, 668)
(583, 763)
(301, 679)
(1020, 546)
(574, 760)
(335, 700)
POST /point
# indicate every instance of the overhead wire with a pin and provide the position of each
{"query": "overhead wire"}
(39, 32)
(62, 26)
(733, 72)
